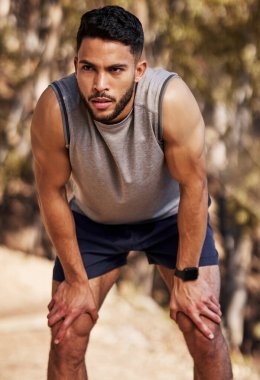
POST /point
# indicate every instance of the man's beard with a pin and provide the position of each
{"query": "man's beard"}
(120, 105)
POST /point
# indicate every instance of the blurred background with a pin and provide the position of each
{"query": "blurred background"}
(214, 46)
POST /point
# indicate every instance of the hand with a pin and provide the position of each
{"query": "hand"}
(68, 303)
(194, 298)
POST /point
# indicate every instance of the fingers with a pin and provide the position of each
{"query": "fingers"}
(68, 321)
(214, 316)
(173, 312)
(197, 320)
(202, 326)
(211, 312)
(51, 304)
(173, 315)
(53, 311)
(214, 300)
(63, 328)
(55, 317)
(216, 309)
(93, 314)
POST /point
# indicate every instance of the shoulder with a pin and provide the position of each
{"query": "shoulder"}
(178, 92)
(181, 115)
(150, 86)
(47, 102)
(66, 86)
(154, 78)
(46, 124)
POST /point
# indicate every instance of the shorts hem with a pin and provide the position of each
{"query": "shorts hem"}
(208, 261)
(92, 271)
(204, 261)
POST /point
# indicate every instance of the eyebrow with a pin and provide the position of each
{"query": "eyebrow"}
(119, 65)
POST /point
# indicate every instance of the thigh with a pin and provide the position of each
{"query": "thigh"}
(209, 273)
(162, 244)
(100, 287)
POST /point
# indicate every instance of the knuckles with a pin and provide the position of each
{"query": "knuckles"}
(50, 323)
(93, 309)
(188, 310)
(172, 315)
(201, 306)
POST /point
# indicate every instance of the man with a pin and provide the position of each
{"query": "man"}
(132, 141)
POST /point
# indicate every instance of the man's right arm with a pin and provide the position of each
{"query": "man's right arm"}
(52, 171)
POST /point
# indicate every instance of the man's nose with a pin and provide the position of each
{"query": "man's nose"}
(101, 82)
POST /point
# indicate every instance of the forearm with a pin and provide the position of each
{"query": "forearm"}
(59, 223)
(192, 223)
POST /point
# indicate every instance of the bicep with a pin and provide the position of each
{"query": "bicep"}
(183, 132)
(51, 161)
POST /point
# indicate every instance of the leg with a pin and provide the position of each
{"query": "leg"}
(67, 359)
(211, 358)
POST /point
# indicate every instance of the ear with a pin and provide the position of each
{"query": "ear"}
(76, 63)
(141, 66)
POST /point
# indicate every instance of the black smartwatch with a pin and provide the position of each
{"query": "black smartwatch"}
(187, 274)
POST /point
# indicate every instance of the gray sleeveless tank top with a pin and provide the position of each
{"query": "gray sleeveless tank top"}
(119, 173)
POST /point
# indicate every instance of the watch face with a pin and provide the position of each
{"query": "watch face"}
(190, 274)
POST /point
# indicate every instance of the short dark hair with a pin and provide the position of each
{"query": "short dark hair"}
(112, 23)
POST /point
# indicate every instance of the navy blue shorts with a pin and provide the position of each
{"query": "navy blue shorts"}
(105, 247)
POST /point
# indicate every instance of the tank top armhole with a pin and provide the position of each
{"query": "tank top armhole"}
(64, 113)
(163, 89)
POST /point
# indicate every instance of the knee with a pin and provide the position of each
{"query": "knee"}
(67, 354)
(197, 343)
(70, 352)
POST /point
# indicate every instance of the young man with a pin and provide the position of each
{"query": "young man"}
(132, 141)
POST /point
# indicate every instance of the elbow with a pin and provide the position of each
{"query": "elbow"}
(196, 187)
(47, 194)
(195, 181)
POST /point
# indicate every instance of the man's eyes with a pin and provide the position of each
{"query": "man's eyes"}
(87, 68)
(115, 70)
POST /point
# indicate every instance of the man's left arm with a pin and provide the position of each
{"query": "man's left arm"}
(183, 134)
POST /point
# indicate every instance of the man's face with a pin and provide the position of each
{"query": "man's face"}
(106, 74)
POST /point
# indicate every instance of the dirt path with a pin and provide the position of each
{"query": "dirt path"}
(133, 339)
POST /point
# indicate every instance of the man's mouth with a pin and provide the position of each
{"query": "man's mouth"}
(101, 103)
